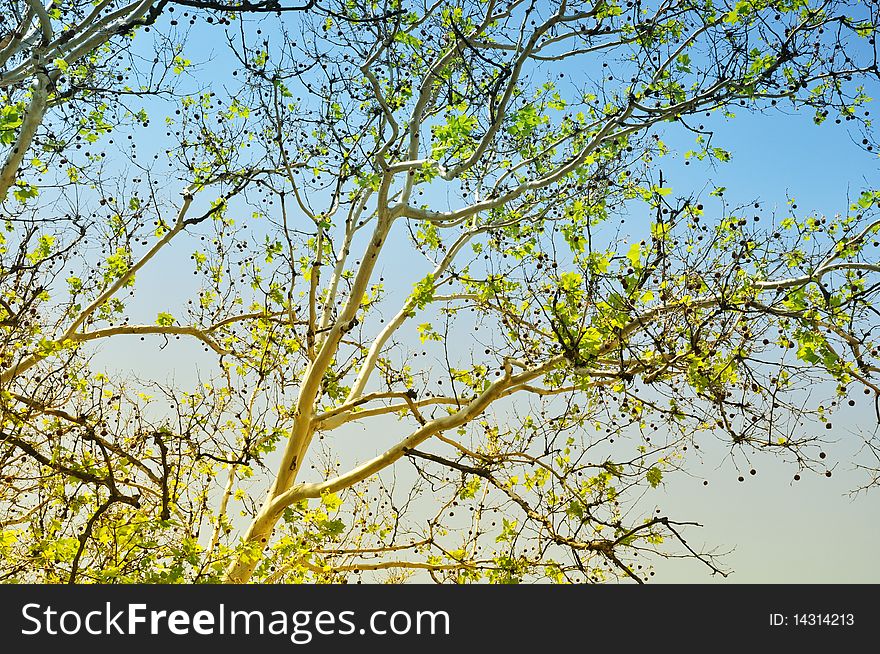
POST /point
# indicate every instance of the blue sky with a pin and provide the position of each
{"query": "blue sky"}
(776, 530)
(783, 531)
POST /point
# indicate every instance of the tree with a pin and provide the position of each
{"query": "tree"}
(536, 373)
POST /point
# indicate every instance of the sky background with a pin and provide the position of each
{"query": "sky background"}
(774, 529)
(813, 530)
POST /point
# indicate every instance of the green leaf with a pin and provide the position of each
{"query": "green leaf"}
(332, 527)
(25, 192)
(165, 319)
(423, 291)
(635, 255)
(427, 333)
(10, 120)
(180, 64)
(331, 501)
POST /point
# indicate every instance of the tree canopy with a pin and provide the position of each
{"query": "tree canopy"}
(408, 217)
